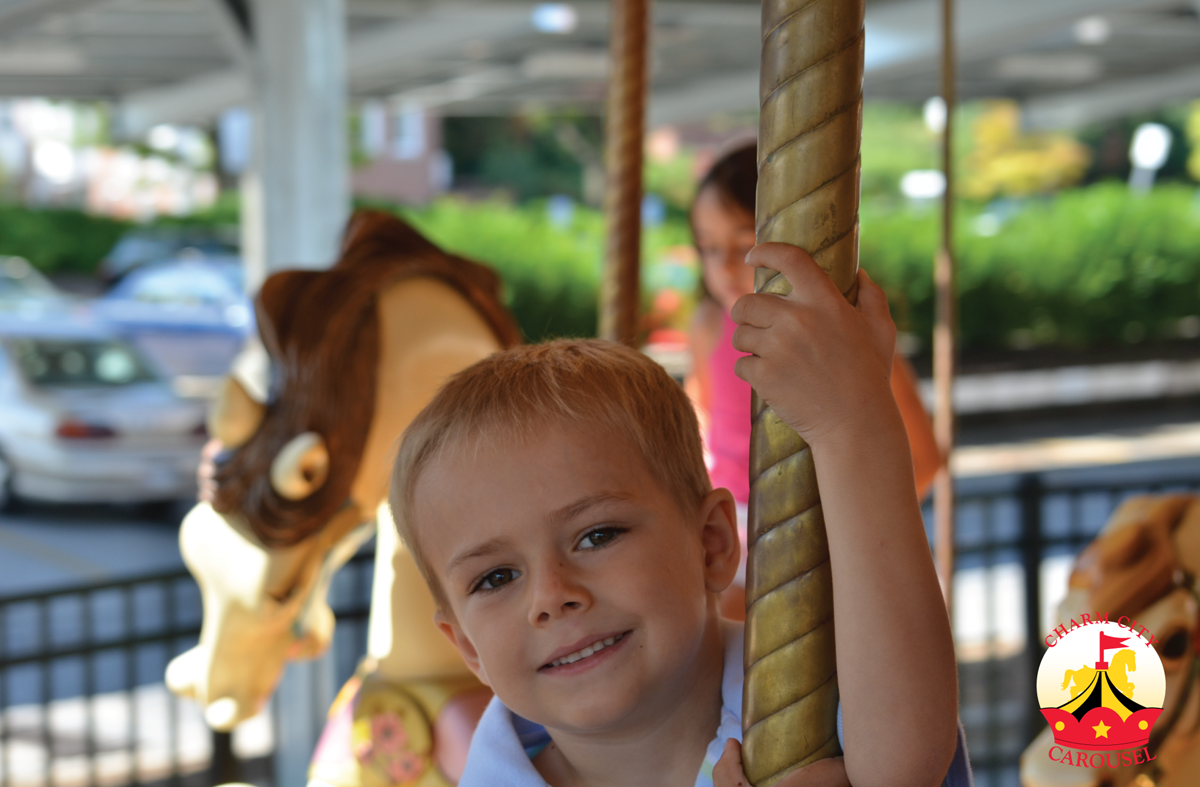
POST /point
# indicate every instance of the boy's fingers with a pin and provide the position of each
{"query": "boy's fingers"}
(728, 770)
(748, 368)
(749, 339)
(871, 298)
(800, 269)
(757, 309)
(873, 305)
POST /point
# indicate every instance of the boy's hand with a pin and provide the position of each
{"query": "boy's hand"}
(820, 363)
(823, 773)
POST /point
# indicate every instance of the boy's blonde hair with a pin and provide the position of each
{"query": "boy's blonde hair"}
(511, 395)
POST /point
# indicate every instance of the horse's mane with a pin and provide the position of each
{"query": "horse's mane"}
(321, 331)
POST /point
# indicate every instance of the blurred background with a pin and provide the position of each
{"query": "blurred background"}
(141, 149)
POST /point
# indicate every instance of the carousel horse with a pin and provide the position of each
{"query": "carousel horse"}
(1144, 565)
(306, 423)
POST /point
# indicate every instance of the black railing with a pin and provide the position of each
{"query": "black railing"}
(82, 700)
(1024, 524)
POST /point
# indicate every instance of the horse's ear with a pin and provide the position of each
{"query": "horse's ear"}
(276, 306)
(372, 235)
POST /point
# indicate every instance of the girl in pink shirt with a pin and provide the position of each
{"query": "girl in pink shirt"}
(723, 229)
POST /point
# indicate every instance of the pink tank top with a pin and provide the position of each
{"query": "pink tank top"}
(729, 418)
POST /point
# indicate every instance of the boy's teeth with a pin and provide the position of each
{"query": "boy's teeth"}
(595, 647)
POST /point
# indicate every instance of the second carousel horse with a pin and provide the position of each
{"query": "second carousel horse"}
(1144, 565)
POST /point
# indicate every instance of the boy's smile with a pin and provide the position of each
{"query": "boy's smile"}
(579, 589)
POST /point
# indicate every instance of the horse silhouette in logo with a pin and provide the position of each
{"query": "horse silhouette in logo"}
(1122, 664)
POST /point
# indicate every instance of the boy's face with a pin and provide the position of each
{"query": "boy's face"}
(578, 589)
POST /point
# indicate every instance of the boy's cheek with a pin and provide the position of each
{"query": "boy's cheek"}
(462, 643)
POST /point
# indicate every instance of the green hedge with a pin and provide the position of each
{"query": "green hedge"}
(1097, 266)
(58, 241)
(551, 273)
(1091, 267)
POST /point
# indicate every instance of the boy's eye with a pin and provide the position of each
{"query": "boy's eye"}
(600, 537)
(495, 579)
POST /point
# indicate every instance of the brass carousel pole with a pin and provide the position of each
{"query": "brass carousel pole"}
(944, 329)
(810, 128)
(624, 131)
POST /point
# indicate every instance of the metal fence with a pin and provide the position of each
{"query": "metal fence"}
(1015, 538)
(82, 702)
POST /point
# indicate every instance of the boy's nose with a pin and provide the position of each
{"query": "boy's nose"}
(556, 593)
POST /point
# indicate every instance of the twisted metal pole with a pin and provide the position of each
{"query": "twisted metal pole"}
(624, 131)
(810, 130)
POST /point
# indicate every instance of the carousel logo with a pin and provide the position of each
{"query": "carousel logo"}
(1108, 707)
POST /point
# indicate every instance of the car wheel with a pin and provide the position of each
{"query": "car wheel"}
(164, 511)
(8, 501)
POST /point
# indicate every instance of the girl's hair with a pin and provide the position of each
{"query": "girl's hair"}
(735, 177)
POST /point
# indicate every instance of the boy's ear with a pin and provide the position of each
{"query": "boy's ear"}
(719, 536)
(461, 643)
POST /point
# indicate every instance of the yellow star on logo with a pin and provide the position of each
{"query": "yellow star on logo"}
(1101, 730)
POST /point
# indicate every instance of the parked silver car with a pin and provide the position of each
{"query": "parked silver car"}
(84, 417)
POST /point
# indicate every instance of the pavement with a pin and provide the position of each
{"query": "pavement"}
(47, 547)
(148, 730)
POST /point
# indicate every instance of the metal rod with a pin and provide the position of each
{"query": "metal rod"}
(131, 688)
(166, 587)
(944, 329)
(47, 689)
(5, 763)
(624, 132)
(1029, 496)
(810, 130)
(87, 636)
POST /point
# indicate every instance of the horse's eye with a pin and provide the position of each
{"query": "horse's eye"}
(1175, 646)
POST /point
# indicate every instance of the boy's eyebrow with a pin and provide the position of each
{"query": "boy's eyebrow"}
(569, 512)
(489, 547)
(564, 514)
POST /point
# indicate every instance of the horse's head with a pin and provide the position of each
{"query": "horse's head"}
(1155, 534)
(307, 420)
(1131, 563)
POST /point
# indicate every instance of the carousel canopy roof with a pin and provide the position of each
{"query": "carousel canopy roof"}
(1068, 61)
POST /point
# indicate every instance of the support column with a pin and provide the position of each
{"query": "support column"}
(297, 196)
(295, 202)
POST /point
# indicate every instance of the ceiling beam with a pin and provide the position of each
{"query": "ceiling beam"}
(902, 36)
(16, 14)
(234, 27)
(372, 58)
(1073, 109)
(197, 100)
(704, 98)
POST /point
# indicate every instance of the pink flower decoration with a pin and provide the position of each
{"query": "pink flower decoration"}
(388, 732)
(405, 768)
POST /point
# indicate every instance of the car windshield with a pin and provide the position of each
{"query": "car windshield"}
(192, 285)
(78, 362)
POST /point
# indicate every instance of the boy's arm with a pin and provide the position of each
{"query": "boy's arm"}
(823, 366)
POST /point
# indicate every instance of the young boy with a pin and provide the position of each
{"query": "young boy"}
(556, 500)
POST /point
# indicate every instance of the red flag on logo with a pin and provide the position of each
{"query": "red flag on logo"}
(1107, 642)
